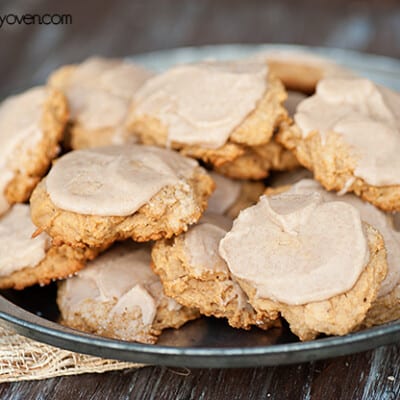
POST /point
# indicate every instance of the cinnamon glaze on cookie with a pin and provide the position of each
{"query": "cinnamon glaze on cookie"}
(119, 296)
(124, 274)
(297, 249)
(373, 216)
(114, 180)
(18, 249)
(201, 104)
(20, 131)
(227, 192)
(366, 116)
(99, 92)
(201, 244)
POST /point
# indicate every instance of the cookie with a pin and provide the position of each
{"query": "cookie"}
(387, 305)
(256, 162)
(348, 134)
(313, 262)
(301, 71)
(93, 197)
(99, 92)
(193, 273)
(25, 261)
(211, 111)
(231, 196)
(118, 296)
(31, 126)
(384, 309)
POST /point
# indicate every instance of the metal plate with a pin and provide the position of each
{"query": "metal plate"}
(207, 342)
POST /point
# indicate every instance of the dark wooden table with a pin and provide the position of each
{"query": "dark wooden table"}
(123, 27)
(370, 375)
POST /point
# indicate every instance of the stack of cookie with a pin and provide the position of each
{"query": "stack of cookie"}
(158, 202)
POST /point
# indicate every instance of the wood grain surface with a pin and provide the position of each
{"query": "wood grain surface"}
(124, 27)
(369, 375)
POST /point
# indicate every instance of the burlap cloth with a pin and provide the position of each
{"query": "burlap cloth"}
(25, 359)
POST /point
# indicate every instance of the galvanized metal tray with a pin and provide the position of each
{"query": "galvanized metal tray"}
(207, 342)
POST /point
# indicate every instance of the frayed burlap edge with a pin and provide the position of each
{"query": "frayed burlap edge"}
(25, 359)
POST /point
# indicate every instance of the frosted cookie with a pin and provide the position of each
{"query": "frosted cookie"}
(387, 308)
(31, 126)
(384, 309)
(99, 92)
(118, 296)
(25, 261)
(387, 305)
(96, 196)
(193, 273)
(301, 71)
(231, 196)
(314, 262)
(256, 162)
(210, 111)
(348, 134)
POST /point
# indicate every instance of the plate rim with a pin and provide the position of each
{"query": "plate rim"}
(377, 63)
(52, 333)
